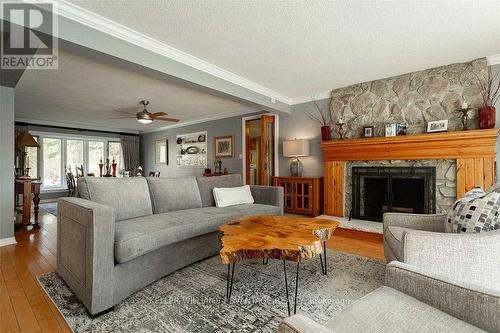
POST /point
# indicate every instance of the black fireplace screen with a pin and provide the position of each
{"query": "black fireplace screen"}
(376, 190)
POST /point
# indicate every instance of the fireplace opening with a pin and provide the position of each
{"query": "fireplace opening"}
(376, 190)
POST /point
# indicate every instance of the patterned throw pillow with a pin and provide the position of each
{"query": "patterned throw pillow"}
(475, 212)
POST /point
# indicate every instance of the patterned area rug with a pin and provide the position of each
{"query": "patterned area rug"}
(193, 298)
(50, 207)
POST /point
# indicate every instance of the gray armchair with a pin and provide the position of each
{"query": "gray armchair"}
(443, 283)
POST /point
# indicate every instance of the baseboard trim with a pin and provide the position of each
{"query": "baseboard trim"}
(8, 241)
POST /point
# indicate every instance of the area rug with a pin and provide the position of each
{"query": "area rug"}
(50, 207)
(193, 298)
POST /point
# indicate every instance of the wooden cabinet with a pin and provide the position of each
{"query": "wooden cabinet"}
(303, 195)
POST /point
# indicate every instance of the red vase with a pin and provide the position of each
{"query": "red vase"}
(487, 117)
(326, 133)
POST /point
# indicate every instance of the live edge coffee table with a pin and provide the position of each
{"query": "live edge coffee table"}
(284, 238)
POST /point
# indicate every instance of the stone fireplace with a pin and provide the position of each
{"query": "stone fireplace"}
(380, 189)
(462, 160)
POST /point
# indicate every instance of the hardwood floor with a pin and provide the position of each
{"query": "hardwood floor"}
(24, 306)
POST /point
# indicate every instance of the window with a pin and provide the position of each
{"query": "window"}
(96, 156)
(52, 157)
(115, 153)
(32, 155)
(74, 154)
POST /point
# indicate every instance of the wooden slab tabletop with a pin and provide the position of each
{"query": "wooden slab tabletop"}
(277, 237)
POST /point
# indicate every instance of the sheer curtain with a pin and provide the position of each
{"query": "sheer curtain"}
(130, 149)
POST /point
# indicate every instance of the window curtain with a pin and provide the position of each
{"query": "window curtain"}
(130, 149)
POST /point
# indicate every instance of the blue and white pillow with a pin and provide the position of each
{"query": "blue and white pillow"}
(475, 212)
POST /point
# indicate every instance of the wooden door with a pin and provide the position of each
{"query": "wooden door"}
(288, 186)
(267, 150)
(247, 153)
(303, 196)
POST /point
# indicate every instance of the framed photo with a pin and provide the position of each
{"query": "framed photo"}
(368, 132)
(437, 126)
(390, 130)
(224, 146)
(161, 151)
(401, 129)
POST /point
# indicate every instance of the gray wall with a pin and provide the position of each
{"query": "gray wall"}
(298, 125)
(6, 162)
(228, 126)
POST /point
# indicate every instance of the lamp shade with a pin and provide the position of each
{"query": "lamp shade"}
(25, 139)
(296, 148)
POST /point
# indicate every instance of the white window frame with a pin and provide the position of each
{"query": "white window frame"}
(64, 137)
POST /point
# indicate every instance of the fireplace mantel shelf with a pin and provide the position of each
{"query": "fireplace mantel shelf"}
(473, 150)
(447, 145)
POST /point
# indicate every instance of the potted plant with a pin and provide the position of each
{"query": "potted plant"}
(490, 92)
(323, 117)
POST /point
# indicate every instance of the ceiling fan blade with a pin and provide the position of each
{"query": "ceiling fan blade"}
(124, 117)
(130, 111)
(158, 114)
(168, 119)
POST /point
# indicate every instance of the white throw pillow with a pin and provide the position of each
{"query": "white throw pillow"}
(230, 196)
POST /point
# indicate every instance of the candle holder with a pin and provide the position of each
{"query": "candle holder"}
(464, 117)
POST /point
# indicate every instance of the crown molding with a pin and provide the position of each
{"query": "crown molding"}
(493, 59)
(83, 16)
(74, 125)
(309, 98)
(203, 120)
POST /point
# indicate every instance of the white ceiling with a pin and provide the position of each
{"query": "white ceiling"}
(300, 48)
(86, 92)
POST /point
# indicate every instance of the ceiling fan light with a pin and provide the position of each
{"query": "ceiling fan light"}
(145, 121)
(144, 117)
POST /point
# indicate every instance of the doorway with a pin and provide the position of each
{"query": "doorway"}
(259, 147)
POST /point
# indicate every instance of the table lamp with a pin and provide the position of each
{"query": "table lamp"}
(23, 140)
(295, 149)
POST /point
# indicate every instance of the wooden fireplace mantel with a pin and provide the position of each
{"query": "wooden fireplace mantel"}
(473, 150)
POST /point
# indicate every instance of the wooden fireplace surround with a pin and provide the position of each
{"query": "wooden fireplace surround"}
(473, 150)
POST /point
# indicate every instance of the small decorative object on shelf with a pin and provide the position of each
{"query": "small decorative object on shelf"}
(401, 129)
(341, 129)
(218, 166)
(490, 91)
(324, 118)
(192, 150)
(390, 130)
(202, 138)
(464, 115)
(368, 131)
(100, 167)
(113, 165)
(437, 126)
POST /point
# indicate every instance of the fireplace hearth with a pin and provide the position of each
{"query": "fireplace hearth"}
(376, 190)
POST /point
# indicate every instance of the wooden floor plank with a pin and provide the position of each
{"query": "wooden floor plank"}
(8, 318)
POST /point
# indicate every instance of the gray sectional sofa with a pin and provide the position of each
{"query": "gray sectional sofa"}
(121, 234)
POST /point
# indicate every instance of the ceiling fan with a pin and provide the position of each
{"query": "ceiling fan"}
(146, 117)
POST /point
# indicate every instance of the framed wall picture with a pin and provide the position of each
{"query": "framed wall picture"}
(224, 146)
(402, 129)
(368, 132)
(437, 126)
(161, 151)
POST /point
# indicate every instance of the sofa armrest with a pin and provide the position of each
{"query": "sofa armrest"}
(85, 251)
(268, 195)
(428, 222)
(474, 304)
(301, 324)
(470, 257)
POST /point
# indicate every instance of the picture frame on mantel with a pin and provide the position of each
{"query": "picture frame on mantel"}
(224, 147)
(437, 126)
(161, 151)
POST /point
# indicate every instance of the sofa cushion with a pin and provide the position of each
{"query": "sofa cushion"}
(475, 212)
(136, 237)
(170, 194)
(129, 197)
(393, 237)
(207, 184)
(389, 310)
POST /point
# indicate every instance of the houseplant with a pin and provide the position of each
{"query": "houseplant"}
(323, 117)
(490, 92)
